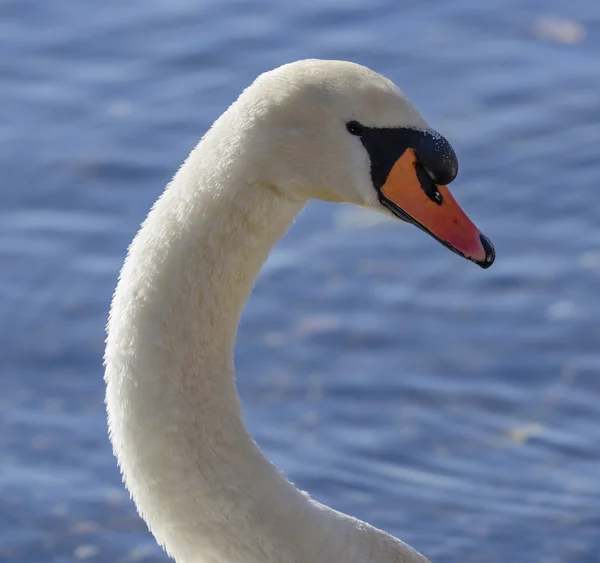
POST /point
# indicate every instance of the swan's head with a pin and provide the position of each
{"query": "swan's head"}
(338, 131)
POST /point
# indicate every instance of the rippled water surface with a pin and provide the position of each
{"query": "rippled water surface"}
(455, 407)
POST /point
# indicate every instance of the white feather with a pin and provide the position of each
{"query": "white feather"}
(198, 479)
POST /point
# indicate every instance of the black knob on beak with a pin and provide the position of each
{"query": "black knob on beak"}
(436, 156)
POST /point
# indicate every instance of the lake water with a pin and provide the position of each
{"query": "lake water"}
(455, 407)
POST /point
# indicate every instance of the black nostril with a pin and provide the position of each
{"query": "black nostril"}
(490, 253)
(437, 157)
(428, 183)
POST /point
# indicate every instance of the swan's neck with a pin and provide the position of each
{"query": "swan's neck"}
(198, 479)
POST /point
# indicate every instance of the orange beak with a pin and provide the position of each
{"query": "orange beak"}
(410, 194)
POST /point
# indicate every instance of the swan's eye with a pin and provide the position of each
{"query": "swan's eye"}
(355, 128)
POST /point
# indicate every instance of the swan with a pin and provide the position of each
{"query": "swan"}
(331, 130)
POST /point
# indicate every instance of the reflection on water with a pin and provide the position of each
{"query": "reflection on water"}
(454, 407)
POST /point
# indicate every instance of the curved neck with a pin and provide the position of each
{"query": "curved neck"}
(195, 474)
(198, 479)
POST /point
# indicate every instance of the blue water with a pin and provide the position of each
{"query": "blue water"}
(455, 407)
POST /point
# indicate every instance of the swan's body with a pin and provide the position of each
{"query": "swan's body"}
(198, 479)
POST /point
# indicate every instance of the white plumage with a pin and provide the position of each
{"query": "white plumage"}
(198, 479)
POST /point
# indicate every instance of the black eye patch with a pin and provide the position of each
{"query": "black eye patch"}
(437, 162)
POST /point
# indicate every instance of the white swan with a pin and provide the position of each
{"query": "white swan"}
(312, 129)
